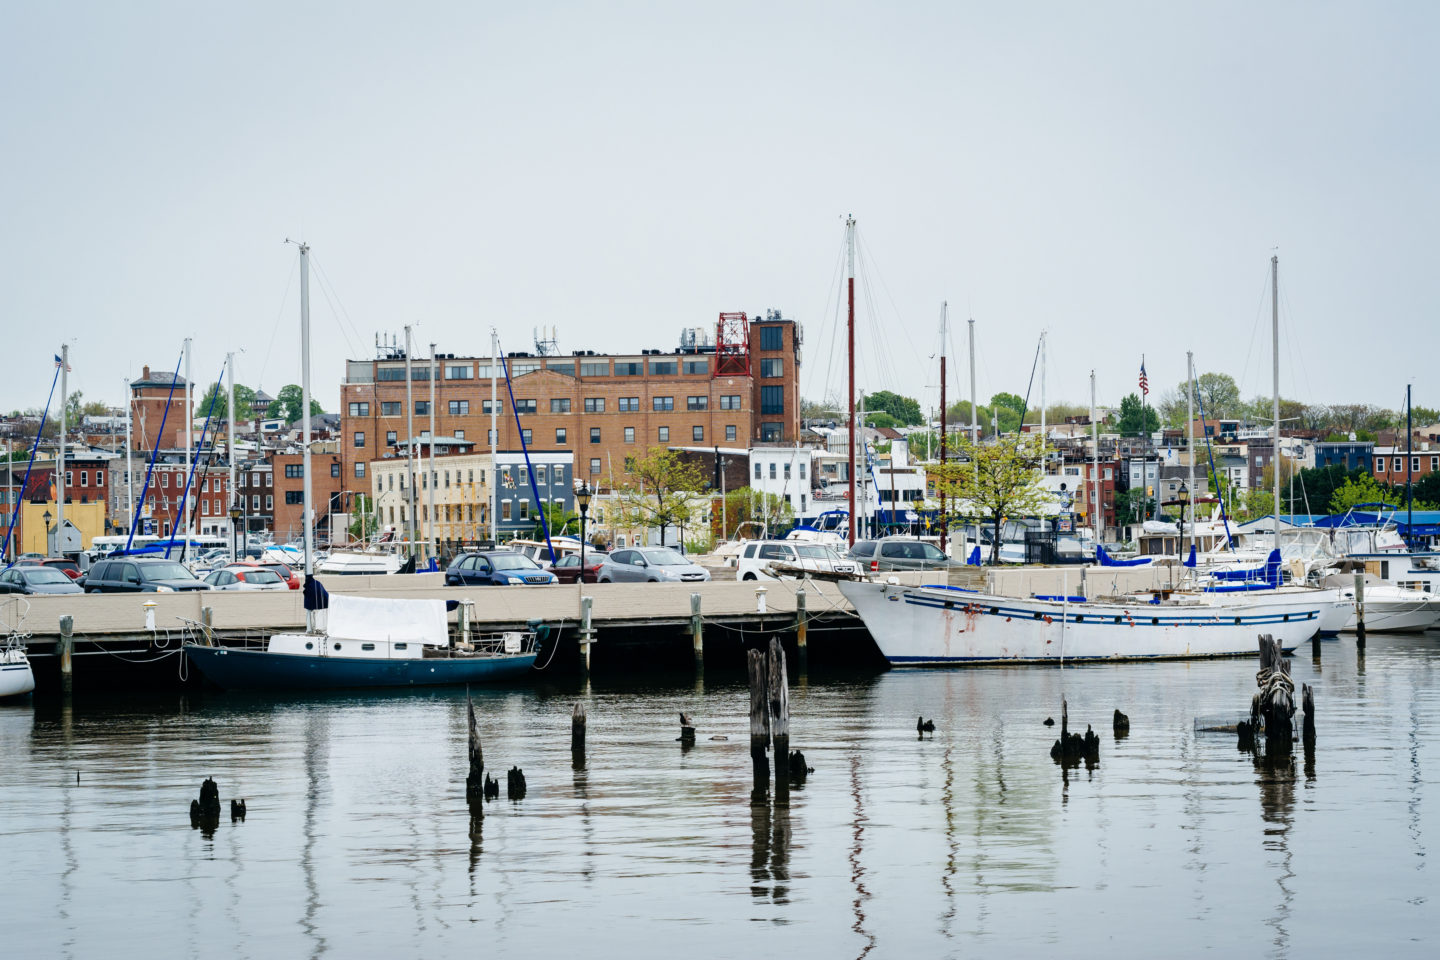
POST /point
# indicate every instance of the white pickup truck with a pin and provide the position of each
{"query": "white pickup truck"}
(757, 555)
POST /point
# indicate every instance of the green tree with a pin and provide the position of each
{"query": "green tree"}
(1217, 393)
(747, 505)
(1357, 490)
(1130, 504)
(879, 419)
(905, 410)
(288, 403)
(73, 403)
(660, 490)
(557, 518)
(244, 400)
(95, 408)
(1314, 488)
(993, 481)
(1008, 400)
(1136, 419)
(363, 524)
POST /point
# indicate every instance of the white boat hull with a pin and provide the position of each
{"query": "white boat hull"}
(937, 626)
(1394, 616)
(16, 677)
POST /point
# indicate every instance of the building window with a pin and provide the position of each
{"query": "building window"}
(629, 404)
(524, 406)
(629, 434)
(566, 367)
(697, 433)
(390, 373)
(757, 470)
(594, 434)
(1379, 464)
(594, 466)
(628, 369)
(664, 435)
(485, 406)
(730, 433)
(269, 502)
(770, 432)
(359, 468)
(1434, 465)
(787, 471)
(772, 367)
(526, 436)
(594, 404)
(772, 400)
(697, 366)
(458, 372)
(389, 408)
(540, 473)
(772, 338)
(663, 368)
(293, 497)
(335, 469)
(205, 508)
(802, 469)
(1414, 465)
(359, 409)
(520, 369)
(697, 403)
(164, 478)
(595, 369)
(459, 408)
(772, 471)
(730, 402)
(802, 503)
(85, 474)
(504, 509)
(559, 434)
(524, 509)
(100, 477)
(559, 404)
(422, 408)
(662, 403)
(1398, 465)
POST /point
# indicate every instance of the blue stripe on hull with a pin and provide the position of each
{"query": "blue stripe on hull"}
(256, 669)
(898, 661)
(1139, 617)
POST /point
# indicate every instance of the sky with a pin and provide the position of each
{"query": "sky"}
(1115, 174)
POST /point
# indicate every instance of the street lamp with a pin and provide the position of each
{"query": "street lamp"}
(582, 500)
(235, 515)
(49, 544)
(1183, 495)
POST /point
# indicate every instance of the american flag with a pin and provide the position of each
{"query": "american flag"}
(1144, 380)
(59, 362)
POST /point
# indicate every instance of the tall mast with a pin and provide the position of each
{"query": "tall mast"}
(305, 507)
(974, 410)
(1097, 519)
(850, 358)
(129, 419)
(409, 445)
(1409, 463)
(430, 538)
(944, 518)
(229, 442)
(189, 424)
(1190, 436)
(1042, 403)
(1275, 398)
(494, 439)
(60, 457)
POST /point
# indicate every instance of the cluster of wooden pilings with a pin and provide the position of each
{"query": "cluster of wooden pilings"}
(770, 725)
(1269, 733)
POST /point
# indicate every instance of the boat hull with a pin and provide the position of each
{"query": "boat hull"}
(16, 679)
(1392, 616)
(260, 670)
(935, 626)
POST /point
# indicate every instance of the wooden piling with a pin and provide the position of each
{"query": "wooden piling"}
(1276, 698)
(66, 651)
(475, 779)
(687, 731)
(697, 631)
(802, 624)
(1360, 610)
(587, 634)
(759, 725)
(577, 733)
(1307, 703)
(779, 702)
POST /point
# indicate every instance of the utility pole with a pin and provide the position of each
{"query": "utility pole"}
(409, 444)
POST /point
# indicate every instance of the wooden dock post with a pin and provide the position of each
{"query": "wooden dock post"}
(1360, 610)
(697, 631)
(779, 702)
(1307, 728)
(475, 779)
(66, 651)
(801, 629)
(759, 725)
(577, 735)
(587, 634)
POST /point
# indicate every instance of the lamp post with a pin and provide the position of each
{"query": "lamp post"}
(49, 544)
(582, 500)
(1184, 497)
(235, 514)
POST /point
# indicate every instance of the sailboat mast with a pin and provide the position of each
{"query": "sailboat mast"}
(129, 476)
(494, 439)
(1190, 437)
(1042, 404)
(409, 444)
(189, 425)
(1409, 464)
(850, 359)
(431, 539)
(974, 410)
(944, 517)
(60, 459)
(229, 444)
(308, 494)
(1098, 517)
(1275, 396)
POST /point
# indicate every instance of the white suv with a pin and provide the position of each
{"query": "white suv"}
(756, 556)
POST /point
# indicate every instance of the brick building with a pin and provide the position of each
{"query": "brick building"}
(288, 471)
(207, 502)
(599, 408)
(150, 399)
(1393, 465)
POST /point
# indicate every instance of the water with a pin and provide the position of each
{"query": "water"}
(358, 843)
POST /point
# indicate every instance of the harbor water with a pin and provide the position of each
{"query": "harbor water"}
(970, 842)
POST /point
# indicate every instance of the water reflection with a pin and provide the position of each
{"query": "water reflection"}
(857, 871)
(315, 739)
(770, 853)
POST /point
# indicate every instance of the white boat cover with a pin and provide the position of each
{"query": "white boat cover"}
(384, 618)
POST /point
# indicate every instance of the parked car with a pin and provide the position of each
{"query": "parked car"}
(756, 556)
(283, 571)
(140, 575)
(649, 564)
(245, 577)
(900, 553)
(37, 578)
(567, 568)
(495, 567)
(66, 566)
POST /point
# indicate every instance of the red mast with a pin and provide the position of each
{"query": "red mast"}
(850, 352)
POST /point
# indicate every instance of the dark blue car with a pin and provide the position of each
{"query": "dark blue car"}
(496, 567)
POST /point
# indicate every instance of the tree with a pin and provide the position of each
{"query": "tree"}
(73, 403)
(1135, 419)
(1217, 393)
(557, 518)
(362, 516)
(1357, 490)
(879, 419)
(996, 481)
(95, 408)
(820, 410)
(661, 490)
(1131, 505)
(905, 410)
(244, 401)
(747, 505)
(1008, 400)
(1314, 488)
(288, 403)
(1172, 408)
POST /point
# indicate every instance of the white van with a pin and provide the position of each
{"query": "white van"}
(759, 554)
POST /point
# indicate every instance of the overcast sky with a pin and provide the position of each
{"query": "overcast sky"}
(1116, 174)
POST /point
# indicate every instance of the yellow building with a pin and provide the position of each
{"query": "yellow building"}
(88, 518)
